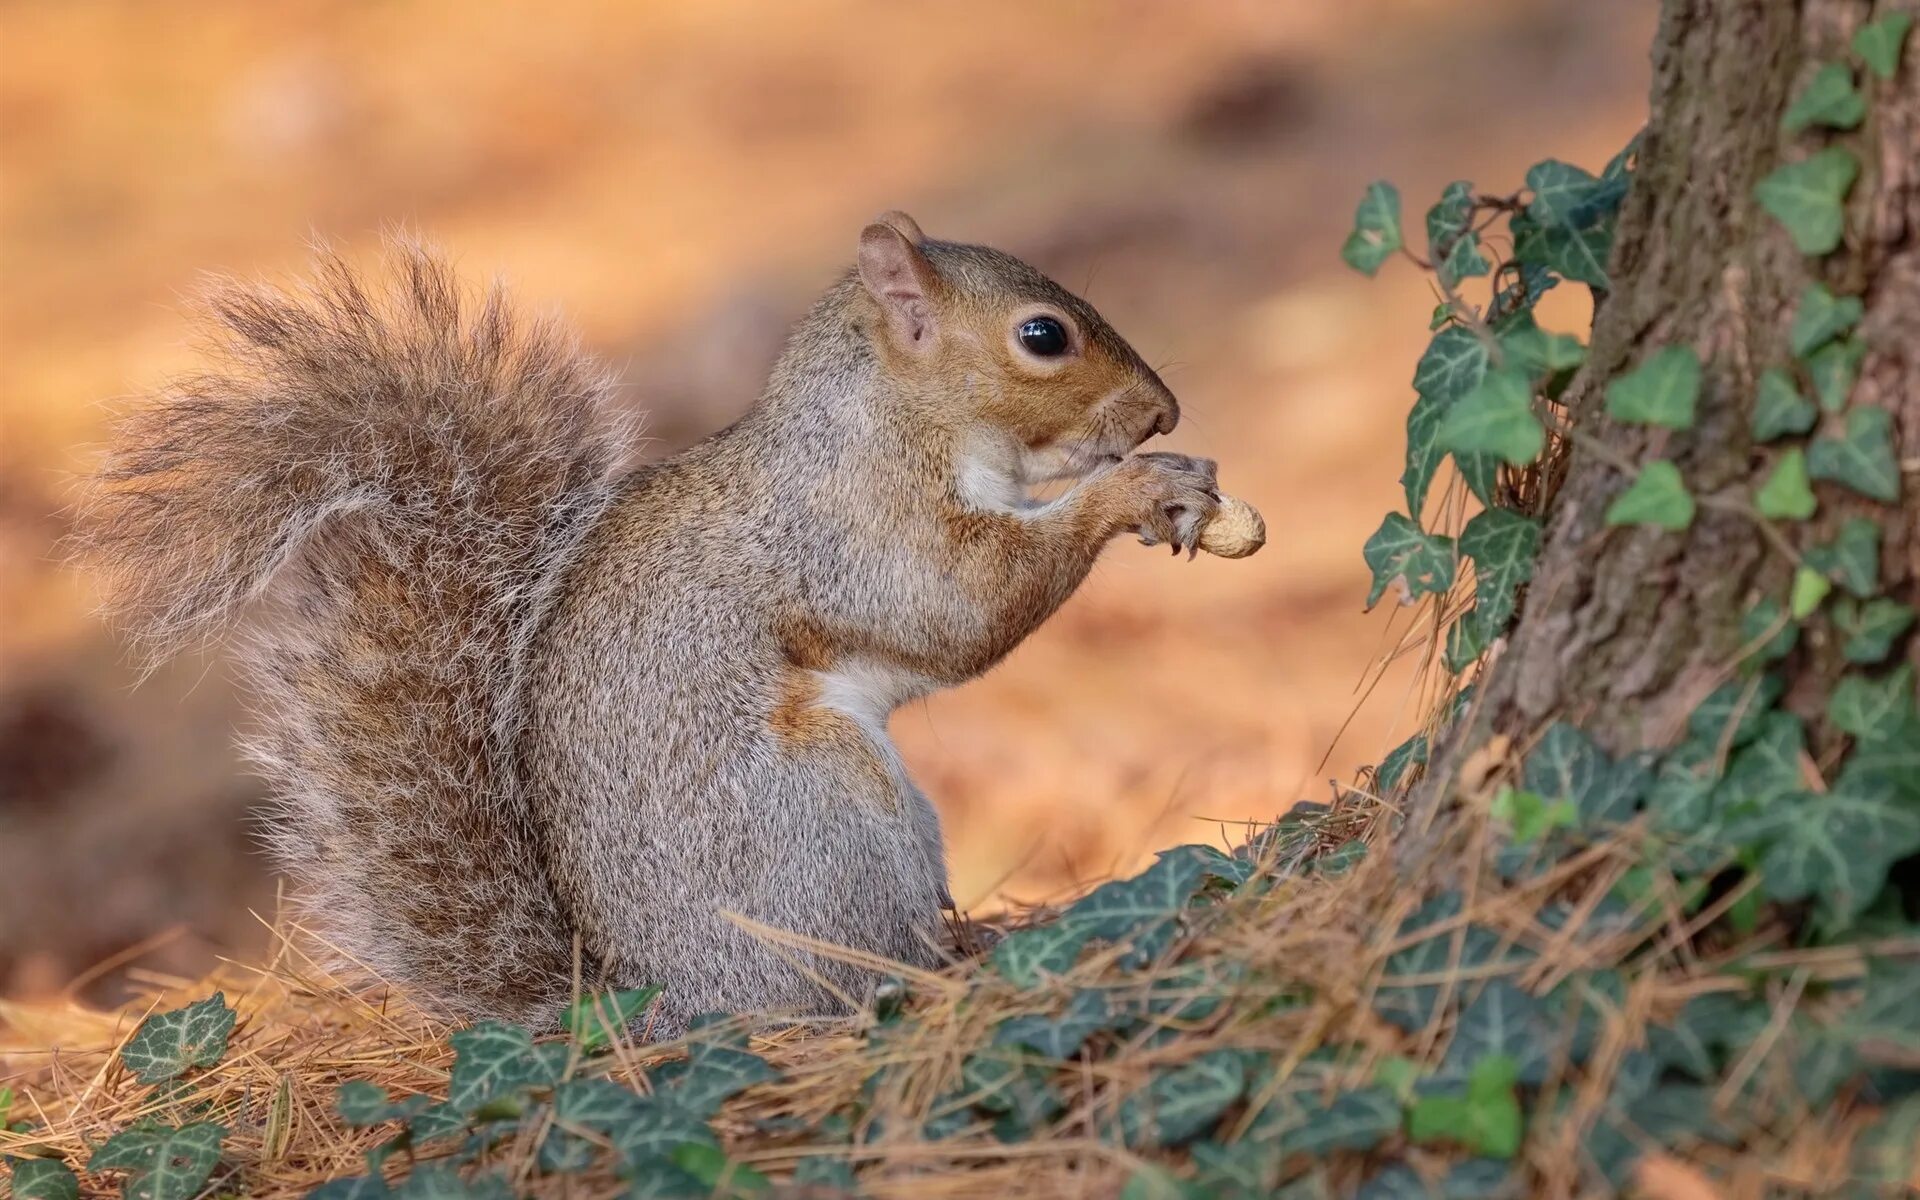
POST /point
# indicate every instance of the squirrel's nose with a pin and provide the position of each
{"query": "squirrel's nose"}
(1168, 417)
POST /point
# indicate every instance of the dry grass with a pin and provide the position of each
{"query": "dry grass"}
(302, 1032)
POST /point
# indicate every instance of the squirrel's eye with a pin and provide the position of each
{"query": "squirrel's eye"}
(1043, 336)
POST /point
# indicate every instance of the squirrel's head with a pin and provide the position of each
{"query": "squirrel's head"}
(1005, 352)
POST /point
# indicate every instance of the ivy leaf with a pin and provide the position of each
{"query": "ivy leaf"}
(1564, 194)
(593, 1018)
(1836, 847)
(1453, 365)
(1181, 1103)
(1660, 391)
(1410, 753)
(1873, 710)
(1833, 368)
(1028, 955)
(1742, 704)
(1059, 1037)
(1821, 318)
(1400, 550)
(1527, 345)
(719, 1174)
(1501, 1021)
(1466, 641)
(1353, 1120)
(1485, 1120)
(1502, 545)
(1566, 765)
(1779, 409)
(362, 1104)
(1765, 774)
(1120, 907)
(1406, 997)
(432, 1181)
(1863, 459)
(654, 1130)
(1656, 497)
(1376, 229)
(169, 1044)
(1245, 1169)
(1452, 244)
(1808, 198)
(162, 1163)
(1810, 587)
(1577, 254)
(1530, 816)
(43, 1179)
(1889, 1008)
(490, 1060)
(712, 1075)
(1871, 627)
(595, 1103)
(1878, 43)
(1768, 630)
(1786, 494)
(1852, 558)
(1475, 1179)
(1828, 100)
(1495, 418)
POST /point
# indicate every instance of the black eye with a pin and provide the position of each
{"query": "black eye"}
(1044, 336)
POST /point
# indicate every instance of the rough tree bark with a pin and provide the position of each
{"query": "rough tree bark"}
(1624, 630)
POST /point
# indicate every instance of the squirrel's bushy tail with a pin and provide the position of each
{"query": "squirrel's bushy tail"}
(392, 482)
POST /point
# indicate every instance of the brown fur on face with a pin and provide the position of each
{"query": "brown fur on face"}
(1067, 414)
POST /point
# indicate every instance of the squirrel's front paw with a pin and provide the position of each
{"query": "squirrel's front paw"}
(1167, 498)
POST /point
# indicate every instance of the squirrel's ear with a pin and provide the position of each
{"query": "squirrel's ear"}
(908, 227)
(899, 276)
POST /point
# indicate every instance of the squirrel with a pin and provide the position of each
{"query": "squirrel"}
(536, 714)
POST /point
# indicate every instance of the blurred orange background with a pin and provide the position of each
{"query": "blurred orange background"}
(678, 180)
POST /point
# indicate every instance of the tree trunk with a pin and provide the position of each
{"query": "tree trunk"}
(1625, 630)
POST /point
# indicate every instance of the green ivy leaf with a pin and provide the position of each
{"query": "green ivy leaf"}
(1765, 774)
(1833, 368)
(594, 1018)
(1353, 1120)
(1871, 627)
(1837, 847)
(1530, 816)
(1829, 100)
(1767, 629)
(1495, 418)
(1539, 353)
(1863, 459)
(1453, 365)
(1466, 641)
(1810, 587)
(1242, 1171)
(1411, 1006)
(1878, 43)
(1400, 550)
(1059, 1037)
(1660, 391)
(1181, 1103)
(1656, 497)
(1503, 545)
(1027, 956)
(1564, 194)
(362, 1104)
(1485, 1120)
(1376, 229)
(1152, 1182)
(1475, 1179)
(1393, 768)
(1852, 558)
(43, 1179)
(1779, 409)
(491, 1060)
(712, 1075)
(1578, 254)
(1873, 710)
(1821, 318)
(1786, 494)
(1502, 1021)
(1117, 908)
(1808, 198)
(162, 1163)
(1889, 1008)
(169, 1044)
(1451, 243)
(719, 1174)
(432, 1181)
(653, 1131)
(1566, 765)
(1743, 704)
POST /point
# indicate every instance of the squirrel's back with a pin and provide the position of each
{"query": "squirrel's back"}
(393, 481)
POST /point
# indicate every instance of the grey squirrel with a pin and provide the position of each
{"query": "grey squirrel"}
(532, 712)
